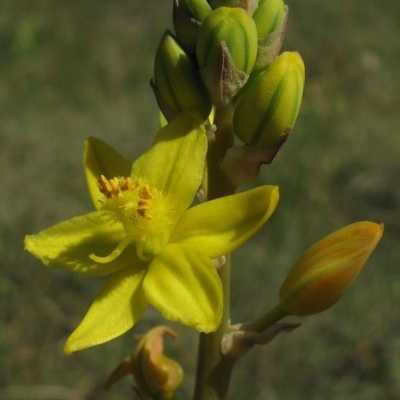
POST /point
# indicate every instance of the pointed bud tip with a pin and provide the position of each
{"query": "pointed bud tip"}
(328, 268)
(268, 16)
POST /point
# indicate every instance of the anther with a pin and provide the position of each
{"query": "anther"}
(116, 186)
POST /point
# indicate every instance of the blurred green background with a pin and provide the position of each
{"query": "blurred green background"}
(71, 69)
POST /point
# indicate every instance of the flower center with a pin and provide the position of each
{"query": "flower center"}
(145, 213)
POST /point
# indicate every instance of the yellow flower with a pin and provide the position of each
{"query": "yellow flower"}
(157, 250)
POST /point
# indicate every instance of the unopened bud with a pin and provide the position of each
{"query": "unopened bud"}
(268, 16)
(226, 52)
(248, 5)
(270, 101)
(196, 9)
(188, 16)
(273, 30)
(153, 371)
(177, 83)
(155, 374)
(327, 269)
(235, 27)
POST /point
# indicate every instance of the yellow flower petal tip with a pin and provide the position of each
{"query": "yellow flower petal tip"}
(326, 270)
(76, 344)
(68, 350)
(273, 200)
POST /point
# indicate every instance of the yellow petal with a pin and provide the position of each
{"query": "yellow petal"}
(220, 226)
(184, 286)
(101, 159)
(67, 245)
(175, 162)
(117, 307)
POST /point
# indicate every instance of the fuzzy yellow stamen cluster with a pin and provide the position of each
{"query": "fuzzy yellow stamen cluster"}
(145, 213)
(115, 188)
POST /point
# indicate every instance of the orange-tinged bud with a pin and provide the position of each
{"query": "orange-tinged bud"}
(153, 371)
(326, 270)
(155, 374)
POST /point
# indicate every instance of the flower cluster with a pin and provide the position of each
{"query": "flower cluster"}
(219, 80)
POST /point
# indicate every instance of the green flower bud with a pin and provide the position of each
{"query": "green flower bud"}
(177, 83)
(196, 9)
(272, 24)
(248, 5)
(268, 16)
(236, 28)
(327, 269)
(226, 52)
(269, 103)
(188, 16)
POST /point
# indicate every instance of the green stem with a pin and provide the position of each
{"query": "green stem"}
(213, 369)
(267, 320)
(218, 185)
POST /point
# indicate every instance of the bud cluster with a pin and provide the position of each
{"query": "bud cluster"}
(226, 53)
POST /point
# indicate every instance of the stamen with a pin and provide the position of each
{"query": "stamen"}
(122, 245)
(116, 186)
(146, 194)
(142, 208)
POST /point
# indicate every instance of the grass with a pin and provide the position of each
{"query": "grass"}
(70, 70)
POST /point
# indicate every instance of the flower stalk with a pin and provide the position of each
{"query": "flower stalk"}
(213, 369)
(218, 184)
(266, 321)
